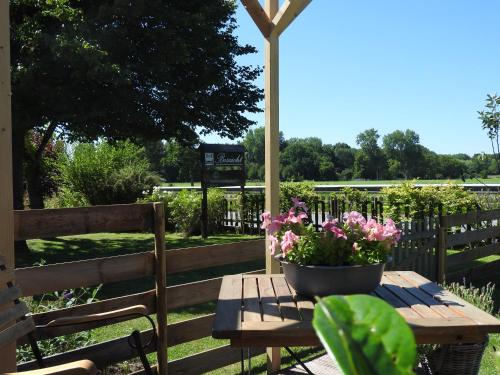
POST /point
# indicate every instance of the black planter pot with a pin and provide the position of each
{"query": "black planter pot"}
(327, 280)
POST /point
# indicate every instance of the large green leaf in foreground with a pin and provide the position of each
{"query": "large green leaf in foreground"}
(365, 335)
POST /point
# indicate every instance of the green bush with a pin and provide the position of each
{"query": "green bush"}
(408, 201)
(353, 198)
(216, 209)
(55, 301)
(302, 190)
(107, 173)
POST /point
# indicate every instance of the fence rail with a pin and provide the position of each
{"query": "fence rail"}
(425, 247)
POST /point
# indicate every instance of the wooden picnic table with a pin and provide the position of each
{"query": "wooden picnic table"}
(264, 311)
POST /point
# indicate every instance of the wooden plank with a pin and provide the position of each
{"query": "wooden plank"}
(11, 334)
(11, 314)
(60, 276)
(447, 331)
(161, 288)
(400, 306)
(304, 304)
(461, 307)
(288, 307)
(486, 270)
(7, 354)
(182, 260)
(259, 16)
(426, 234)
(287, 13)
(189, 330)
(288, 333)
(228, 312)
(441, 249)
(209, 360)
(268, 300)
(433, 304)
(102, 354)
(475, 253)
(82, 220)
(415, 304)
(6, 275)
(8, 295)
(472, 217)
(473, 236)
(251, 304)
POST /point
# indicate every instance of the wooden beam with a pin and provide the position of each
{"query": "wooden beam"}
(259, 16)
(7, 354)
(161, 287)
(287, 13)
(272, 149)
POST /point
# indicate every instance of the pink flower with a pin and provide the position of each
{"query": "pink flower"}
(391, 231)
(298, 204)
(295, 219)
(374, 231)
(354, 219)
(274, 226)
(338, 232)
(329, 223)
(274, 242)
(266, 219)
(289, 240)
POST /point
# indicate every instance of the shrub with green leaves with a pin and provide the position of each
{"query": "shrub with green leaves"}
(107, 173)
(55, 301)
(408, 201)
(354, 199)
(301, 190)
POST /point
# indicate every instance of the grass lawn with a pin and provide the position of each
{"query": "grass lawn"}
(495, 180)
(106, 244)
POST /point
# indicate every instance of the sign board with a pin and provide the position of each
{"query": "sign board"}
(222, 165)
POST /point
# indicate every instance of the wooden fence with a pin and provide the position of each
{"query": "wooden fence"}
(92, 272)
(423, 248)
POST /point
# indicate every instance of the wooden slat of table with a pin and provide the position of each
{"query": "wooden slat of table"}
(288, 307)
(270, 308)
(415, 304)
(400, 306)
(304, 304)
(455, 303)
(433, 304)
(228, 312)
(251, 303)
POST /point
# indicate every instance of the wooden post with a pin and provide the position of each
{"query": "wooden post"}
(8, 354)
(161, 287)
(441, 250)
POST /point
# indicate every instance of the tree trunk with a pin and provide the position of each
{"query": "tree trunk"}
(34, 179)
(18, 156)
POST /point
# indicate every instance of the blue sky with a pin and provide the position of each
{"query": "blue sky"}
(346, 66)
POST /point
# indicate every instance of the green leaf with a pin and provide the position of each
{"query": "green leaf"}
(365, 335)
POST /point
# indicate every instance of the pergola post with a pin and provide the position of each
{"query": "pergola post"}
(272, 21)
(8, 354)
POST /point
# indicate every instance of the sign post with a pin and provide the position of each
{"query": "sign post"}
(221, 165)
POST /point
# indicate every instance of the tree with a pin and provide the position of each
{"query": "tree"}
(181, 163)
(301, 159)
(490, 118)
(370, 162)
(402, 149)
(122, 69)
(254, 143)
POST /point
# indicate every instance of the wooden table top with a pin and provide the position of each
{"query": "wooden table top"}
(264, 311)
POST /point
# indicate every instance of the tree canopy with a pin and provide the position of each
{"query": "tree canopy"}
(119, 69)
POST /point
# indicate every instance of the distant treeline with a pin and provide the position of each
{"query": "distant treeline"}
(397, 155)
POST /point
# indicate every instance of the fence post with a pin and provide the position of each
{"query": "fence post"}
(441, 249)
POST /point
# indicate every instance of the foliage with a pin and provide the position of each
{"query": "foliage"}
(490, 118)
(54, 301)
(403, 149)
(107, 173)
(180, 163)
(304, 191)
(355, 199)
(365, 335)
(118, 69)
(183, 209)
(482, 297)
(354, 242)
(408, 201)
(370, 162)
